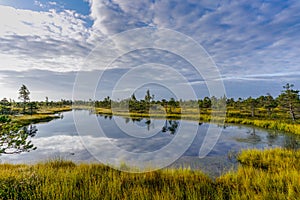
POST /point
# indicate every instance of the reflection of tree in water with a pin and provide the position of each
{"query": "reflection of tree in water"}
(136, 119)
(107, 116)
(291, 142)
(251, 138)
(15, 140)
(223, 126)
(170, 125)
(148, 123)
(272, 137)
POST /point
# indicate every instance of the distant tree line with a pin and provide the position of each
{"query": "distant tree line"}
(25, 106)
(286, 104)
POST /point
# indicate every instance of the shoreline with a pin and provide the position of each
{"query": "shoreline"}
(293, 128)
(45, 115)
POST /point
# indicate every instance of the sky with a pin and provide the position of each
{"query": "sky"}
(255, 46)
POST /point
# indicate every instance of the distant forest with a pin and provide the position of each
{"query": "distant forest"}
(284, 106)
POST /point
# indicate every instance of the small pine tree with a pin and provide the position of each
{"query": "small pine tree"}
(24, 96)
(289, 99)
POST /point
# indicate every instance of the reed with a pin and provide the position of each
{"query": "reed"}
(268, 174)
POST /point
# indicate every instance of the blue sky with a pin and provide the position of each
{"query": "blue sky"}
(255, 44)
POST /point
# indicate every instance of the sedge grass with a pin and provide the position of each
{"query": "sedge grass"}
(53, 110)
(64, 180)
(32, 119)
(269, 174)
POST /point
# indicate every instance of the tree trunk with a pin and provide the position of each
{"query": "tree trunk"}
(253, 111)
(31, 108)
(292, 112)
(269, 112)
(24, 108)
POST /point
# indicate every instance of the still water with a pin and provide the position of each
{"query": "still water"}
(60, 139)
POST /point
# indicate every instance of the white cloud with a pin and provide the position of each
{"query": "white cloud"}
(112, 17)
(42, 40)
(38, 3)
(244, 38)
(240, 35)
(52, 3)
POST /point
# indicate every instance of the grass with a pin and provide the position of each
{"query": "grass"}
(53, 110)
(65, 180)
(269, 174)
(45, 114)
(268, 124)
(32, 119)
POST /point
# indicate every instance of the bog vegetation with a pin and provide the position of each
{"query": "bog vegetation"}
(268, 174)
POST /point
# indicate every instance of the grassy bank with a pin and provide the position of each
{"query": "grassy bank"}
(33, 119)
(270, 174)
(268, 124)
(53, 110)
(44, 114)
(274, 124)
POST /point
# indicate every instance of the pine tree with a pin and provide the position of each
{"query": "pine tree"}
(24, 96)
(289, 99)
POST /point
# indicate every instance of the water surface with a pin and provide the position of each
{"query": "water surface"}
(59, 139)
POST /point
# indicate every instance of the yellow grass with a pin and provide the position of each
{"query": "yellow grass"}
(269, 174)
